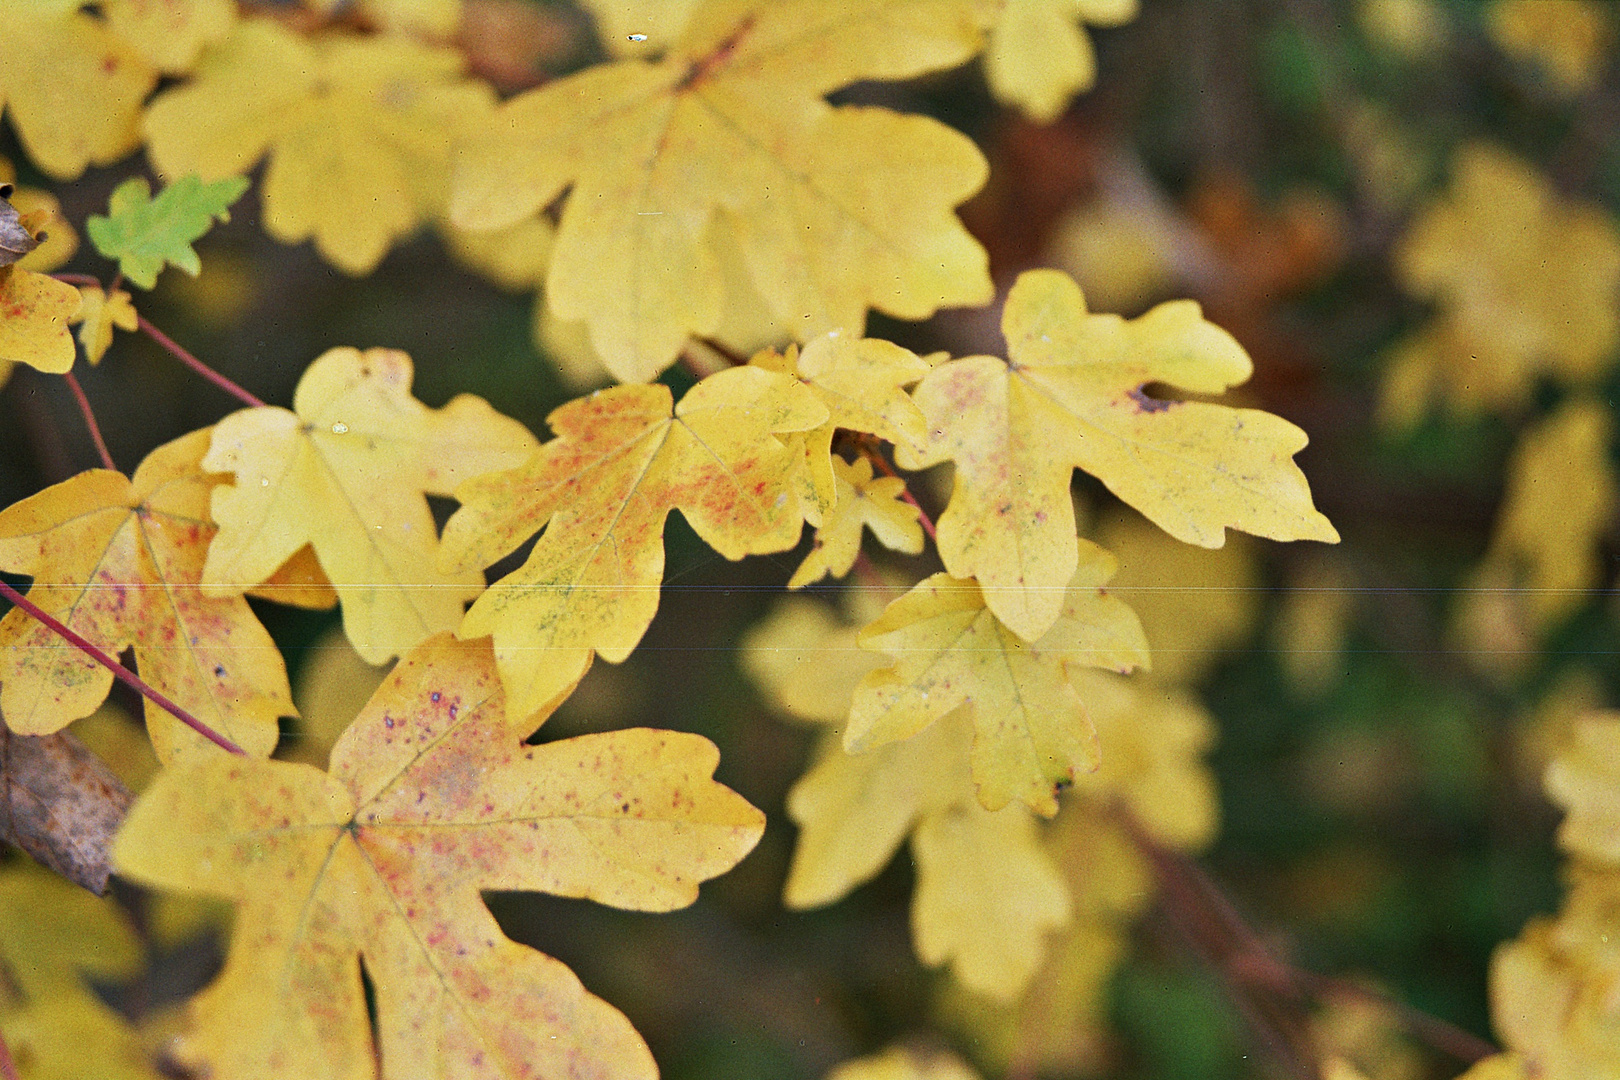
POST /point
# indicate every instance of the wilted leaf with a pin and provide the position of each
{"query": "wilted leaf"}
(347, 472)
(143, 233)
(432, 797)
(623, 459)
(358, 132)
(1070, 397)
(836, 209)
(950, 650)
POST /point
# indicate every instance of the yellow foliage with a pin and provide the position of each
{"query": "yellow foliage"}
(347, 471)
(1037, 58)
(119, 561)
(170, 35)
(98, 314)
(44, 214)
(1413, 28)
(899, 1063)
(334, 684)
(639, 27)
(1585, 780)
(622, 460)
(432, 796)
(862, 501)
(807, 661)
(836, 209)
(1032, 730)
(1070, 396)
(358, 132)
(1525, 285)
(38, 311)
(74, 90)
(1568, 40)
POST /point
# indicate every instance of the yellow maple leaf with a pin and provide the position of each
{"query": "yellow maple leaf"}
(74, 90)
(52, 934)
(987, 894)
(1071, 396)
(638, 27)
(1524, 281)
(1037, 58)
(119, 561)
(905, 1063)
(358, 132)
(1567, 39)
(171, 34)
(950, 649)
(98, 314)
(807, 661)
(37, 311)
(836, 209)
(347, 472)
(862, 502)
(1585, 780)
(432, 796)
(861, 382)
(1560, 499)
(622, 460)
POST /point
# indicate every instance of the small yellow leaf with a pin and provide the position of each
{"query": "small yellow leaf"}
(347, 472)
(622, 460)
(901, 1063)
(358, 132)
(1071, 396)
(862, 501)
(1037, 58)
(950, 649)
(73, 90)
(432, 797)
(120, 561)
(98, 314)
(837, 209)
(1585, 780)
(171, 34)
(35, 313)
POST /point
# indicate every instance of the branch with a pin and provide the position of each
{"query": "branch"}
(89, 419)
(197, 365)
(124, 675)
(1198, 907)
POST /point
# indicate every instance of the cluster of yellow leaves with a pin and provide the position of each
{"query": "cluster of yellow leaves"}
(35, 310)
(1552, 990)
(1524, 284)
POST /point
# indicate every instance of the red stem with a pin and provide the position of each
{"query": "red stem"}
(124, 675)
(8, 1067)
(89, 419)
(883, 466)
(197, 365)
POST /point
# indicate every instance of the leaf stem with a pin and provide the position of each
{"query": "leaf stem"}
(730, 355)
(78, 279)
(89, 419)
(197, 365)
(122, 673)
(8, 1067)
(1202, 911)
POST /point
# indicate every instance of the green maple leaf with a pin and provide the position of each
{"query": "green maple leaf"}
(144, 233)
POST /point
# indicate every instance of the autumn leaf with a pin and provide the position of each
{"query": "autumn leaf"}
(949, 649)
(358, 132)
(905, 1063)
(1568, 40)
(862, 501)
(47, 239)
(171, 34)
(1037, 58)
(73, 90)
(143, 233)
(37, 311)
(1584, 779)
(347, 471)
(861, 381)
(837, 209)
(623, 459)
(987, 894)
(638, 27)
(331, 687)
(52, 935)
(432, 796)
(98, 314)
(16, 238)
(1071, 396)
(806, 660)
(119, 561)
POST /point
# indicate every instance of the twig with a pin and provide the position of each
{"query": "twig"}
(123, 674)
(730, 355)
(89, 419)
(78, 279)
(197, 365)
(8, 1067)
(1242, 960)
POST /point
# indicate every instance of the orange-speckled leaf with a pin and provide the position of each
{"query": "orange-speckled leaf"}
(433, 796)
(622, 460)
(347, 472)
(1071, 396)
(119, 562)
(35, 311)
